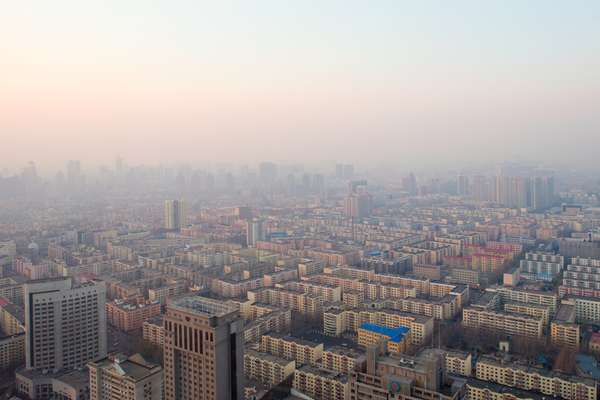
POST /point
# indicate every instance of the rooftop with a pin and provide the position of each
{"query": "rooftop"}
(203, 305)
(395, 334)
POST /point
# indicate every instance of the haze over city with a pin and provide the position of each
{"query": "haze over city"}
(300, 200)
(388, 83)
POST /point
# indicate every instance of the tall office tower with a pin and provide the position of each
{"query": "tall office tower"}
(255, 231)
(409, 183)
(542, 192)
(480, 189)
(462, 185)
(358, 203)
(120, 378)
(203, 350)
(513, 191)
(65, 324)
(175, 214)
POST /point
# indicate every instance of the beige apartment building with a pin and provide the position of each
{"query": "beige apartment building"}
(342, 359)
(121, 378)
(266, 368)
(302, 351)
(321, 384)
(153, 331)
(510, 374)
(337, 321)
(503, 322)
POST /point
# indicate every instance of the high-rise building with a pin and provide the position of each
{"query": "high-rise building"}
(120, 378)
(65, 324)
(409, 183)
(358, 205)
(203, 350)
(542, 192)
(462, 185)
(513, 191)
(175, 214)
(255, 231)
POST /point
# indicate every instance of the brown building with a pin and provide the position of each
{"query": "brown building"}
(203, 351)
(127, 316)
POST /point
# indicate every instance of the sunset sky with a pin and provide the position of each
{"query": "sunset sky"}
(366, 81)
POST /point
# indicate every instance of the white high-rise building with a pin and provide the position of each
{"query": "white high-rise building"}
(255, 231)
(175, 214)
(65, 324)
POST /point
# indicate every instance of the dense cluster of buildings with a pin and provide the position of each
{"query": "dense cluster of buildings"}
(347, 292)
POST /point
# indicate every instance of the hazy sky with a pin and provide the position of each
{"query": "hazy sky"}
(366, 81)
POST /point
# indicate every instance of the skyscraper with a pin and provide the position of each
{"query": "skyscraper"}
(255, 231)
(462, 185)
(175, 214)
(65, 325)
(542, 192)
(203, 350)
(358, 203)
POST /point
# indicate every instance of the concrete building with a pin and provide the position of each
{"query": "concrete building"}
(255, 232)
(12, 335)
(175, 214)
(153, 331)
(321, 384)
(288, 347)
(395, 340)
(130, 315)
(266, 368)
(203, 351)
(65, 324)
(564, 332)
(511, 374)
(342, 359)
(503, 322)
(121, 378)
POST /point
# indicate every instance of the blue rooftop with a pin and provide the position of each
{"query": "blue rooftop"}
(395, 334)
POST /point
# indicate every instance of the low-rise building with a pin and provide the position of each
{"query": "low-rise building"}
(514, 375)
(503, 322)
(291, 348)
(395, 339)
(321, 384)
(121, 378)
(266, 368)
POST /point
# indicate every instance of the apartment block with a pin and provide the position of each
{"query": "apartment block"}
(337, 321)
(321, 384)
(120, 378)
(503, 322)
(130, 315)
(342, 359)
(288, 347)
(266, 368)
(533, 310)
(564, 332)
(511, 374)
(396, 340)
(520, 295)
(153, 331)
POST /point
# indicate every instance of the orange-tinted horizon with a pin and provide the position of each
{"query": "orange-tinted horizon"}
(154, 85)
